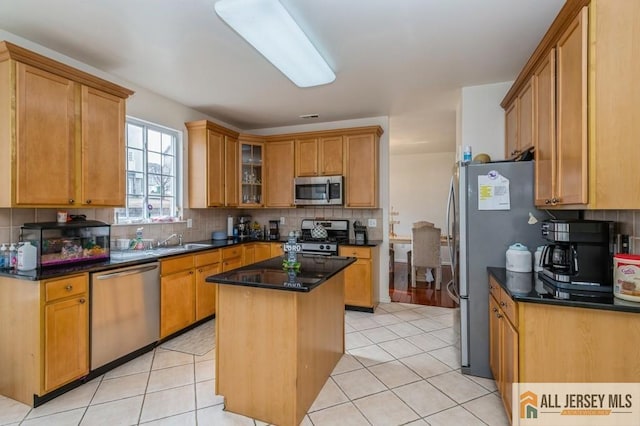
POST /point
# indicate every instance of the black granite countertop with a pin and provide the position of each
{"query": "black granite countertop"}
(120, 259)
(314, 270)
(527, 287)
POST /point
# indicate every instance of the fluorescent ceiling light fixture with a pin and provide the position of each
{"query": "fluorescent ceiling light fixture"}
(269, 28)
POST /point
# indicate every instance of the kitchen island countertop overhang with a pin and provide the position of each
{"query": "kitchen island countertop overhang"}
(314, 270)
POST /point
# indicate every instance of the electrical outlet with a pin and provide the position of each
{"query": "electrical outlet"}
(189, 223)
(372, 223)
(282, 220)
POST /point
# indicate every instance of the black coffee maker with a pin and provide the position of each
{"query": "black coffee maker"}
(274, 230)
(360, 233)
(579, 256)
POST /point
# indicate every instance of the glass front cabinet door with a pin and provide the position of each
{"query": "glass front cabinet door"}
(251, 175)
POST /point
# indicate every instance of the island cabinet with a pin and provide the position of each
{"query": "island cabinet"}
(62, 126)
(361, 168)
(279, 172)
(213, 165)
(585, 105)
(361, 278)
(206, 264)
(47, 344)
(277, 249)
(319, 156)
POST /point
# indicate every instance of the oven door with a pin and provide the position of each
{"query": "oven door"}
(321, 190)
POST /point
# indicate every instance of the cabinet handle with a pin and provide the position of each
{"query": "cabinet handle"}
(490, 287)
(200, 270)
(82, 301)
(88, 201)
(494, 310)
(498, 315)
(69, 287)
(547, 201)
(71, 201)
(555, 200)
(190, 272)
(504, 305)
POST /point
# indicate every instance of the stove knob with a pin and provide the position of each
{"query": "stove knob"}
(321, 247)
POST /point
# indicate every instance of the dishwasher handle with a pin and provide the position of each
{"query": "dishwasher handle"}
(131, 271)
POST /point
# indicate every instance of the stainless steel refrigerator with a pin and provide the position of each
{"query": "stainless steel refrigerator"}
(483, 238)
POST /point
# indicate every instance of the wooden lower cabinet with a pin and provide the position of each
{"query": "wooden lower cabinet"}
(276, 249)
(185, 296)
(66, 331)
(544, 343)
(360, 278)
(232, 258)
(503, 351)
(47, 344)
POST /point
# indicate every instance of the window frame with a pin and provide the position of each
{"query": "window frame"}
(122, 216)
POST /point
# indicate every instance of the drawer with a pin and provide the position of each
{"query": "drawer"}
(351, 251)
(231, 252)
(207, 258)
(65, 287)
(175, 264)
(494, 288)
(509, 307)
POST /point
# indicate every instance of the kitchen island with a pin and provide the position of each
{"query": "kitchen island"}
(279, 335)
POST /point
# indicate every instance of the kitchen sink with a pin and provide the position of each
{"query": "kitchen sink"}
(192, 246)
(156, 252)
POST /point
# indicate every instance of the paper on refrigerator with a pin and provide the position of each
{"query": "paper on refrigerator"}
(493, 192)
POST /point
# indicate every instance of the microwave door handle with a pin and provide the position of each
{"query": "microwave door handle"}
(327, 194)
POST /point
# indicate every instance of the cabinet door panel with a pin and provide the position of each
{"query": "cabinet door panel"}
(511, 129)
(525, 118)
(572, 113)
(232, 172)
(494, 340)
(279, 161)
(103, 148)
(306, 157)
(544, 88)
(361, 170)
(205, 291)
(177, 300)
(331, 155)
(66, 353)
(215, 169)
(44, 150)
(509, 361)
(357, 284)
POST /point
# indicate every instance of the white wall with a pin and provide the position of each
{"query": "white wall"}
(482, 119)
(419, 190)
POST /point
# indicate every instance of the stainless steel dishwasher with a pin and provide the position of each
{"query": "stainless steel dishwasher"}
(125, 311)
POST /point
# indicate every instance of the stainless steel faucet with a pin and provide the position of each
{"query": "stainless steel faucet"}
(164, 242)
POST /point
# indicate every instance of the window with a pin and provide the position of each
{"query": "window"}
(152, 173)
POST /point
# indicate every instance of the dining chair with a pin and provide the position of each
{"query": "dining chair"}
(425, 252)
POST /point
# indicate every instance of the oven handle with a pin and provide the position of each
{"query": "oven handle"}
(132, 271)
(328, 188)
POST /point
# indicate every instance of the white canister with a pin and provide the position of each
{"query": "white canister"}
(26, 258)
(518, 258)
(626, 277)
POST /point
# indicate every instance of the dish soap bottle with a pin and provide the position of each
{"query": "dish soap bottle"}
(12, 257)
(138, 244)
(3, 255)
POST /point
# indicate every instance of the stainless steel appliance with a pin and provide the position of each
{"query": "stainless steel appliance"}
(274, 230)
(484, 236)
(244, 226)
(318, 190)
(579, 256)
(125, 312)
(360, 233)
(336, 232)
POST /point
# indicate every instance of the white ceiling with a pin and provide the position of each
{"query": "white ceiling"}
(406, 59)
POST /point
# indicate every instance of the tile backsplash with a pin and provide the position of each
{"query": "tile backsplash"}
(204, 221)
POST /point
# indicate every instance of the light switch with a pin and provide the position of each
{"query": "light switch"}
(372, 223)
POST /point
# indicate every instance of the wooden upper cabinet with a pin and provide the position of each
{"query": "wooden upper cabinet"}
(361, 169)
(45, 123)
(66, 128)
(103, 118)
(511, 129)
(213, 165)
(279, 173)
(544, 90)
(571, 143)
(525, 118)
(231, 171)
(319, 156)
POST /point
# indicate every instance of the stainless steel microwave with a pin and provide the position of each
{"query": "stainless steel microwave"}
(318, 190)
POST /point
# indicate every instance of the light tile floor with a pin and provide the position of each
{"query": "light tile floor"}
(401, 366)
